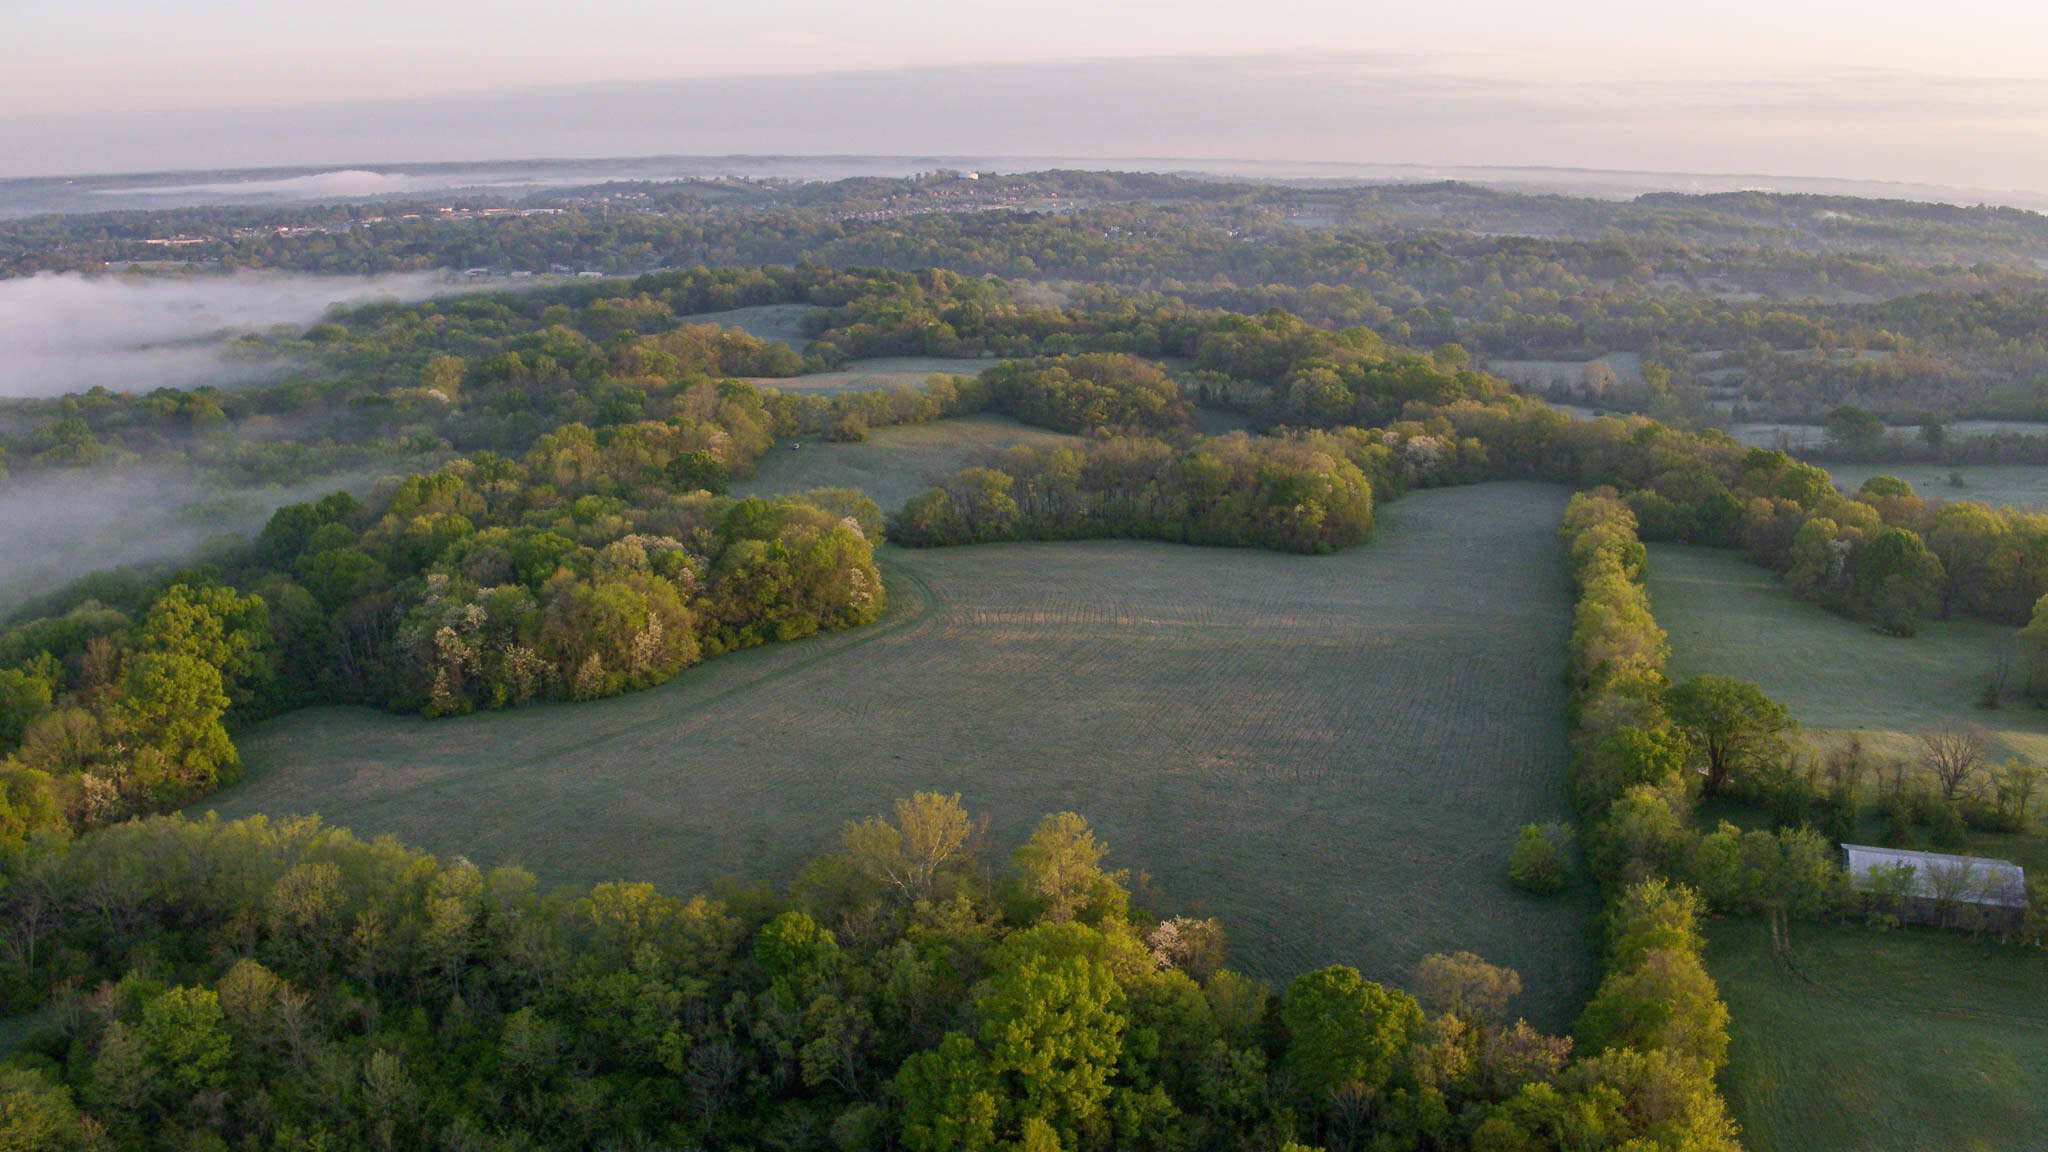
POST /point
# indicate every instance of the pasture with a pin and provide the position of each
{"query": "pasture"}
(2020, 485)
(892, 464)
(1858, 1039)
(1331, 753)
(1839, 677)
(1835, 675)
(1864, 1041)
(1615, 368)
(772, 323)
(1768, 434)
(879, 375)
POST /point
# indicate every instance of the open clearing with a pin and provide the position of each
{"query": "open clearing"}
(1837, 676)
(1622, 368)
(892, 464)
(2020, 485)
(1332, 753)
(773, 323)
(879, 375)
(1910, 1041)
(1769, 434)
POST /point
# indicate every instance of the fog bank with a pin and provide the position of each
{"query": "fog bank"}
(59, 528)
(65, 332)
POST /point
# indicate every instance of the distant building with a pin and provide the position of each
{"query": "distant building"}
(1936, 888)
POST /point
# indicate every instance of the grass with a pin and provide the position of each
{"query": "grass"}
(892, 464)
(1838, 677)
(773, 323)
(2019, 485)
(1332, 753)
(878, 375)
(1834, 675)
(1861, 1041)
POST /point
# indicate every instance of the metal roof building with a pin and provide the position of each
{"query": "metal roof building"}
(1939, 877)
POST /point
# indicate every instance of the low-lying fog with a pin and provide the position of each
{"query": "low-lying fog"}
(56, 529)
(66, 332)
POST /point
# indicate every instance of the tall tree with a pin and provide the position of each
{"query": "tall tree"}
(1733, 726)
(930, 832)
(1060, 864)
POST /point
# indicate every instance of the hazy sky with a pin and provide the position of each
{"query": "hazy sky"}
(96, 85)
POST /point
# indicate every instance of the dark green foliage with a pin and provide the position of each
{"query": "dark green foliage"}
(1089, 393)
(265, 982)
(1541, 860)
(1299, 495)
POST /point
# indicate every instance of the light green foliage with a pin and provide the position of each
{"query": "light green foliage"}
(37, 1115)
(1060, 864)
(24, 699)
(1051, 1026)
(186, 1037)
(794, 948)
(1656, 994)
(1734, 728)
(930, 833)
(214, 625)
(1051, 1033)
(950, 1101)
(172, 705)
(1345, 1030)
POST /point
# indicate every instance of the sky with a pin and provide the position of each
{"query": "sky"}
(1951, 93)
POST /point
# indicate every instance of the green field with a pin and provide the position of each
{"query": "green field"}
(892, 464)
(1332, 753)
(879, 375)
(1868, 1041)
(2020, 485)
(774, 323)
(1835, 675)
(1861, 1041)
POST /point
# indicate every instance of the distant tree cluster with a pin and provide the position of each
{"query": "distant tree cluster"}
(1299, 495)
(1090, 393)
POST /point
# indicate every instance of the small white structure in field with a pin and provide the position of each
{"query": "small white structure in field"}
(1932, 885)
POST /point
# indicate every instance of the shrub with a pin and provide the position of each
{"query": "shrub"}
(1541, 859)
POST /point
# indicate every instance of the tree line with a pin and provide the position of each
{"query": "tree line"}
(283, 984)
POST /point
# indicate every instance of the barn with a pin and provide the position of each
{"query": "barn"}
(1935, 888)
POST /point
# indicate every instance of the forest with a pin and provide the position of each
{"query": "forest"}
(1749, 305)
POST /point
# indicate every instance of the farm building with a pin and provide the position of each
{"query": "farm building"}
(1938, 888)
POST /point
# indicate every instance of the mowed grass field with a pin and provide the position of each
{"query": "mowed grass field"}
(892, 464)
(772, 323)
(1332, 753)
(1835, 675)
(879, 375)
(2020, 485)
(1861, 1041)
